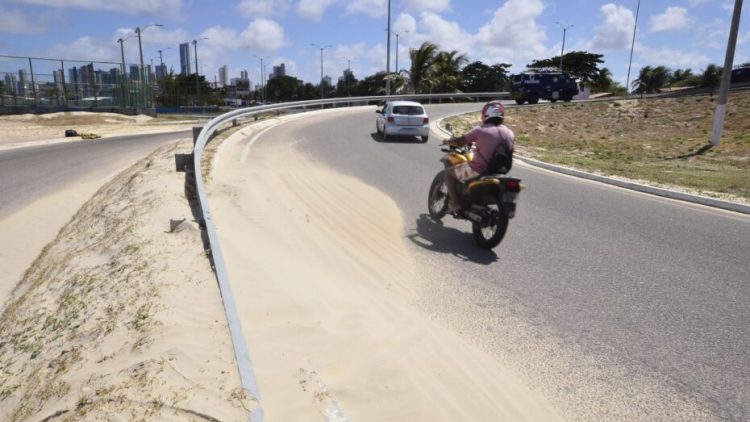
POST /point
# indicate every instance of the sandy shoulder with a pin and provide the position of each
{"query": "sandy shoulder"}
(120, 317)
(326, 289)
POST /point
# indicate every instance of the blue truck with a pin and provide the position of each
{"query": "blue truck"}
(532, 86)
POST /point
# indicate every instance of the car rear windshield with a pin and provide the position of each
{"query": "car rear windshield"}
(409, 110)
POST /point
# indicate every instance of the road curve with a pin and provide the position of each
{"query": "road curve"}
(30, 173)
(616, 304)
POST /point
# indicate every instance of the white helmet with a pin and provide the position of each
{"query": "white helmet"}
(493, 109)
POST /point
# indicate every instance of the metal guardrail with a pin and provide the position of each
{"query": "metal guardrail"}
(242, 354)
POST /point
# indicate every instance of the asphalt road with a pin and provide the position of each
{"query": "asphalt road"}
(30, 173)
(617, 305)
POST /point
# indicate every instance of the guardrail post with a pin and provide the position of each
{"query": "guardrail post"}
(196, 131)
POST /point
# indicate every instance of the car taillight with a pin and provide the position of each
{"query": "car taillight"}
(426, 120)
(391, 119)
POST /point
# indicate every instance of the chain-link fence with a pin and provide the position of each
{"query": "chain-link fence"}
(39, 83)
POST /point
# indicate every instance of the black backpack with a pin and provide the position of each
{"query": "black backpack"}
(501, 160)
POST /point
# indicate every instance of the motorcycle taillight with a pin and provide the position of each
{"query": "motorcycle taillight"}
(512, 185)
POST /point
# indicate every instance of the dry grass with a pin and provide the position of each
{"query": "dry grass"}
(662, 141)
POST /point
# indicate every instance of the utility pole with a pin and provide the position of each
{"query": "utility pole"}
(721, 106)
(632, 44)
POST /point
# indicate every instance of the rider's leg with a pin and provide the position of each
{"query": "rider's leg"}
(454, 189)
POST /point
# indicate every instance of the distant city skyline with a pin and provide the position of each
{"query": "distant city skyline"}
(678, 34)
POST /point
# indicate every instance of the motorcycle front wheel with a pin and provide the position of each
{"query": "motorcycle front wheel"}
(437, 201)
(489, 235)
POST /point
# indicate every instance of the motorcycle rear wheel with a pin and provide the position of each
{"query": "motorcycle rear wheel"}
(437, 200)
(489, 236)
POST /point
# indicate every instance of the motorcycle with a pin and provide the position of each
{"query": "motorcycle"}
(487, 201)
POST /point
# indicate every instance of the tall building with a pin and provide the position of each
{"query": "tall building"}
(279, 70)
(10, 83)
(223, 75)
(185, 59)
(23, 81)
(161, 72)
(135, 75)
(57, 76)
(243, 74)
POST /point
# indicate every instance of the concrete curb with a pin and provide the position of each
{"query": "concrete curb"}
(666, 193)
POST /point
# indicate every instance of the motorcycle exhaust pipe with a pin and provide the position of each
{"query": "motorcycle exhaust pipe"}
(473, 216)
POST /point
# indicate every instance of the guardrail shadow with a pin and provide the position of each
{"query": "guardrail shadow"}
(434, 236)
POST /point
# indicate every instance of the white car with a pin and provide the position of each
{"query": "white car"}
(403, 118)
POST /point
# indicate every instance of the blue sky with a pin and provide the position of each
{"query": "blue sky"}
(675, 33)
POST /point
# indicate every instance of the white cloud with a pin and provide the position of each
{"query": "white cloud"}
(263, 34)
(695, 3)
(171, 8)
(220, 37)
(672, 58)
(617, 29)
(263, 8)
(427, 5)
(674, 18)
(16, 21)
(156, 35)
(313, 9)
(446, 34)
(372, 8)
(91, 49)
(513, 34)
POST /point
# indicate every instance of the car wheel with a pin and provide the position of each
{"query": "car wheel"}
(519, 101)
(377, 128)
(424, 138)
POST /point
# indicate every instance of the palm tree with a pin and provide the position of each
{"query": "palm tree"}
(446, 70)
(422, 59)
(651, 79)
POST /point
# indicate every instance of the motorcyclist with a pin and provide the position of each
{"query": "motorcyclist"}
(487, 137)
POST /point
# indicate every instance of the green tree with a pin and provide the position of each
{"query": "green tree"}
(422, 59)
(345, 85)
(602, 82)
(371, 85)
(478, 77)
(180, 90)
(711, 77)
(580, 65)
(651, 79)
(283, 88)
(446, 71)
(680, 77)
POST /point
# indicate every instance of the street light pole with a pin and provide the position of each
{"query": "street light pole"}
(388, 54)
(138, 31)
(123, 76)
(197, 71)
(562, 50)
(263, 93)
(348, 74)
(727, 76)
(397, 34)
(632, 45)
(322, 91)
